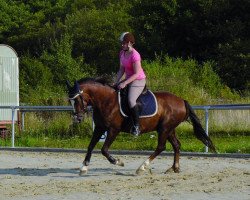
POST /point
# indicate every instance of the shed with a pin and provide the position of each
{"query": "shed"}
(9, 82)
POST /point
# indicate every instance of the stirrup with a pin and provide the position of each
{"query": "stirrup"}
(136, 130)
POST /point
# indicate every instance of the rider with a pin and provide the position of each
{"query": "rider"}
(135, 78)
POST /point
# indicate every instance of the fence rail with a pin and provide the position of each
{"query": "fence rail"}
(24, 109)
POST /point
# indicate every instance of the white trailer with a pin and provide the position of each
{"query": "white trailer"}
(9, 83)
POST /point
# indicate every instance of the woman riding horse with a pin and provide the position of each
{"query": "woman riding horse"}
(130, 64)
(103, 98)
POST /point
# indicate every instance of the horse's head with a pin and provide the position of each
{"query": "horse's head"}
(79, 101)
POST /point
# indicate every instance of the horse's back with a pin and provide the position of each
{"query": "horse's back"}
(171, 103)
(168, 97)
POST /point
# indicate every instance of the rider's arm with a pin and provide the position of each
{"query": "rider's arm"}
(137, 68)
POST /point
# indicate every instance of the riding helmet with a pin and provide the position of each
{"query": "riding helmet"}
(127, 37)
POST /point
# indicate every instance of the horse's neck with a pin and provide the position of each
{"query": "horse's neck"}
(104, 102)
(100, 94)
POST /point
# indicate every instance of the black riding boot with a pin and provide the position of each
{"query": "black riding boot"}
(135, 117)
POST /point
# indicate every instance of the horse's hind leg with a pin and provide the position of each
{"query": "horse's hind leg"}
(176, 146)
(162, 138)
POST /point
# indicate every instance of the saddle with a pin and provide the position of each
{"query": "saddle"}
(147, 103)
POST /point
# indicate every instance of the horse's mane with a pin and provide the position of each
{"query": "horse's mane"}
(101, 80)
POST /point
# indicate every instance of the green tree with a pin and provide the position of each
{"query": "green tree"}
(31, 26)
(95, 35)
(152, 23)
(12, 15)
(200, 29)
(61, 63)
(34, 75)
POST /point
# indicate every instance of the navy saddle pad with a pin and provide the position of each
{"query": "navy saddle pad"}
(147, 103)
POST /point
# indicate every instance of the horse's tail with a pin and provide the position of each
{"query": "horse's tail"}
(198, 130)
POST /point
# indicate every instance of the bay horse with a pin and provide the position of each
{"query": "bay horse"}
(103, 98)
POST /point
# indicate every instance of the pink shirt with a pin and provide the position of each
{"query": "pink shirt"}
(127, 63)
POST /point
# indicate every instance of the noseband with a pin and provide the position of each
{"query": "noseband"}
(72, 101)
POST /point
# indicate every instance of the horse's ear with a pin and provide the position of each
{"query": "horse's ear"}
(77, 86)
(68, 84)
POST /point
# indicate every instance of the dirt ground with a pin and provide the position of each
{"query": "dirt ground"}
(49, 176)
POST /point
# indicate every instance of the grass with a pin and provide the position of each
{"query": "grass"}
(224, 144)
(229, 130)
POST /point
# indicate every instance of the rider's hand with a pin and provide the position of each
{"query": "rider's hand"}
(122, 85)
(115, 85)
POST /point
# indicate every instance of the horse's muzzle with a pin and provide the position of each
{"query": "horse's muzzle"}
(77, 118)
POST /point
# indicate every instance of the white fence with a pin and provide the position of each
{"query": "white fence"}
(24, 109)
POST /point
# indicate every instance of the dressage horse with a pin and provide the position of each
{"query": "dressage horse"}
(103, 98)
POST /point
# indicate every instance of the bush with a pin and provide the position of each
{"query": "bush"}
(196, 83)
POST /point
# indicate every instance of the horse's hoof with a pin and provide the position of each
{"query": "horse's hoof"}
(172, 169)
(140, 171)
(177, 170)
(83, 170)
(81, 173)
(120, 163)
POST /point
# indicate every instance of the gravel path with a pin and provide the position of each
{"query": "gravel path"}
(48, 176)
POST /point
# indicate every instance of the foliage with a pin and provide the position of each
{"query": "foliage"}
(200, 29)
(70, 39)
(233, 64)
(41, 75)
(30, 84)
(199, 83)
(59, 59)
(95, 34)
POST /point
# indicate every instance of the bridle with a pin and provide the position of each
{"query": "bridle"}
(78, 115)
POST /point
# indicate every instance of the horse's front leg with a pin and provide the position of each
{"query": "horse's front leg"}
(112, 133)
(95, 138)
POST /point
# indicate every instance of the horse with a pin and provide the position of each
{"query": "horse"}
(103, 98)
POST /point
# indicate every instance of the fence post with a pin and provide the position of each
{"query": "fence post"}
(13, 127)
(206, 122)
(23, 115)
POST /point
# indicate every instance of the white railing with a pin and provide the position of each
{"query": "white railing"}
(219, 107)
(24, 109)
